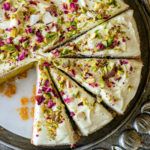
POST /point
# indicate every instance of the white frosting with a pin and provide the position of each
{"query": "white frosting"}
(130, 48)
(118, 91)
(88, 118)
(65, 133)
(8, 24)
(34, 19)
(48, 18)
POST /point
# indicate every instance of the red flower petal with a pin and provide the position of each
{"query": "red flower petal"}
(6, 6)
(51, 104)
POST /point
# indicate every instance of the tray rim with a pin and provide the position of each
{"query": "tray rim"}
(146, 18)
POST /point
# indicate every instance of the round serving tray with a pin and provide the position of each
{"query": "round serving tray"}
(17, 142)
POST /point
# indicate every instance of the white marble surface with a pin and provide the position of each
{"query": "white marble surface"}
(9, 115)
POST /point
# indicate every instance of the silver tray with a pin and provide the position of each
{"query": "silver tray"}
(110, 134)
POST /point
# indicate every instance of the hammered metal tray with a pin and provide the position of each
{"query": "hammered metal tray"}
(109, 135)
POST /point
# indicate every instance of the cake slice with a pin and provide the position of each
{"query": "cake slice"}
(115, 80)
(88, 115)
(42, 25)
(51, 125)
(11, 69)
(117, 37)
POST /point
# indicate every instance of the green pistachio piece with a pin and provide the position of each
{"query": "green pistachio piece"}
(101, 82)
(8, 48)
(110, 41)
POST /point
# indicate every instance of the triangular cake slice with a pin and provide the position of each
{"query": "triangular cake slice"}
(114, 80)
(51, 125)
(117, 37)
(88, 115)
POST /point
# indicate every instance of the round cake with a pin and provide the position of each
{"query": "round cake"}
(87, 57)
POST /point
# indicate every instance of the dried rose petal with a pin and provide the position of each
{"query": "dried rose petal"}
(73, 73)
(22, 55)
(9, 40)
(62, 93)
(72, 114)
(56, 53)
(106, 17)
(66, 12)
(39, 91)
(123, 40)
(110, 74)
(33, 3)
(40, 39)
(75, 1)
(1, 43)
(19, 22)
(38, 33)
(115, 43)
(29, 30)
(23, 39)
(93, 84)
(47, 83)
(46, 89)
(67, 100)
(46, 64)
(51, 104)
(6, 6)
(54, 93)
(8, 29)
(65, 6)
(39, 99)
(100, 46)
(108, 83)
(73, 7)
(123, 62)
(17, 47)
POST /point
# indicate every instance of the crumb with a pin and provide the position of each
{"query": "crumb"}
(24, 101)
(32, 112)
(32, 99)
(10, 89)
(34, 90)
(22, 75)
(24, 113)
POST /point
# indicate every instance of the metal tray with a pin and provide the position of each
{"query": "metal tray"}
(141, 16)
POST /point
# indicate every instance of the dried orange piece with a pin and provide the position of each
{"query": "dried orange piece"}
(24, 113)
(24, 101)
